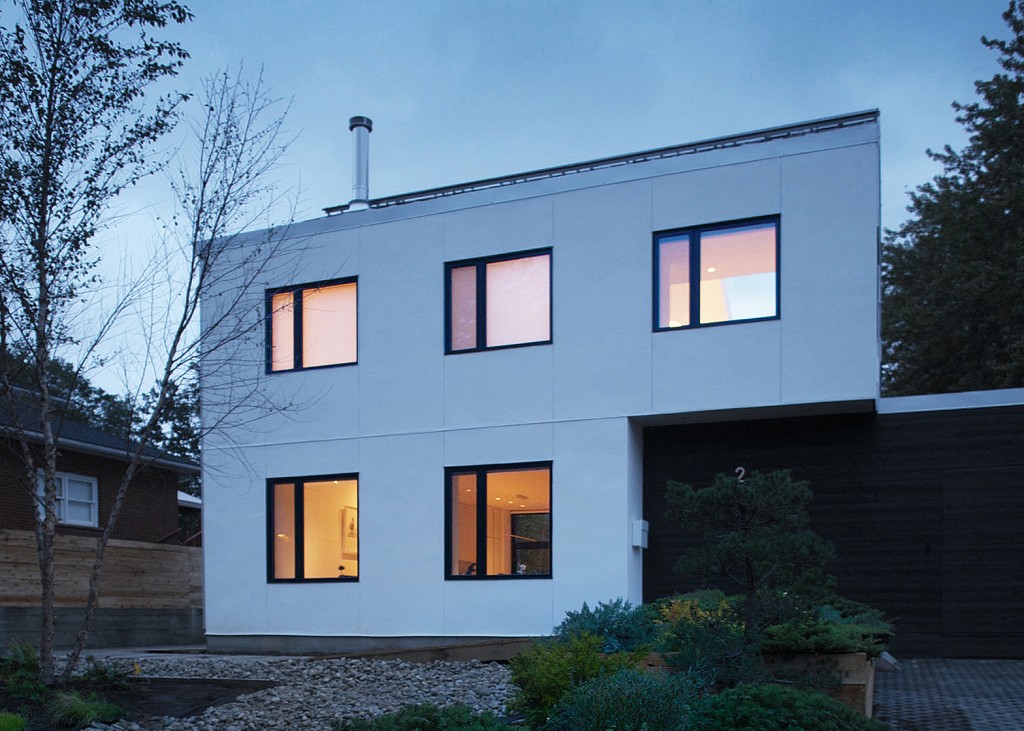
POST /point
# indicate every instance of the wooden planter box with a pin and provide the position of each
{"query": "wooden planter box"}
(858, 676)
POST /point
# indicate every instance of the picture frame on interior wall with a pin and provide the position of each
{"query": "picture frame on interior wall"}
(350, 533)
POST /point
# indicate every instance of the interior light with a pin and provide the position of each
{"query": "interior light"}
(282, 535)
(522, 505)
(711, 270)
(497, 498)
(509, 502)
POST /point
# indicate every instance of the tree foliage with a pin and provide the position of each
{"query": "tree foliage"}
(953, 275)
(754, 534)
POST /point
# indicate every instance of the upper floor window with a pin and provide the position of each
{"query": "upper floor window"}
(313, 528)
(498, 521)
(311, 325)
(714, 274)
(498, 302)
(77, 499)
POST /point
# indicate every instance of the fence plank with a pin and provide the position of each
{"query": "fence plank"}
(135, 575)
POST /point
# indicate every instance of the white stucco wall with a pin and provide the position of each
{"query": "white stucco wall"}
(407, 410)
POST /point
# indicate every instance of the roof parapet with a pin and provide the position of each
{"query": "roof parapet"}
(716, 143)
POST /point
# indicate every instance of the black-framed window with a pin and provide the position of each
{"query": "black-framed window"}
(498, 521)
(498, 301)
(313, 528)
(312, 325)
(716, 274)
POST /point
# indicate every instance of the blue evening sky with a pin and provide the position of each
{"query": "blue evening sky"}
(466, 89)
(460, 90)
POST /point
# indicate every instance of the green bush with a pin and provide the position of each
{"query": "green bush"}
(19, 674)
(717, 651)
(550, 668)
(619, 623)
(704, 632)
(72, 709)
(629, 700)
(11, 722)
(425, 717)
(775, 708)
(821, 637)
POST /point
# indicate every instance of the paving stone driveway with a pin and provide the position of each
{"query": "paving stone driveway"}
(953, 695)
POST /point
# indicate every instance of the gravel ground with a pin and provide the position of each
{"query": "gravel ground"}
(312, 692)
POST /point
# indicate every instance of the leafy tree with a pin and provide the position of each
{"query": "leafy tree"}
(74, 396)
(953, 275)
(754, 534)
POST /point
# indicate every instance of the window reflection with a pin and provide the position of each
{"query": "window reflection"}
(515, 537)
(738, 277)
(314, 529)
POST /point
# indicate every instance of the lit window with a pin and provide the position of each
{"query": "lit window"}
(499, 301)
(77, 499)
(716, 274)
(499, 521)
(313, 528)
(311, 325)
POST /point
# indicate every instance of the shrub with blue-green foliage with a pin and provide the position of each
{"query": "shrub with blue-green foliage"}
(777, 708)
(621, 625)
(629, 700)
(840, 626)
(425, 717)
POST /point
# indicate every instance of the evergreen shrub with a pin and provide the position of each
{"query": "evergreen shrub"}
(425, 717)
(777, 708)
(619, 623)
(629, 700)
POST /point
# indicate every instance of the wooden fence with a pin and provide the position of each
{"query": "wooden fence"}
(135, 575)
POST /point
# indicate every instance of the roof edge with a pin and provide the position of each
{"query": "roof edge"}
(762, 135)
(169, 463)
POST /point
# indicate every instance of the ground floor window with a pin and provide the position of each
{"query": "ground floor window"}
(498, 521)
(313, 528)
(77, 499)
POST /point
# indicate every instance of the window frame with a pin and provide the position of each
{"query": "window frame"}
(296, 291)
(480, 471)
(300, 531)
(480, 263)
(62, 498)
(695, 233)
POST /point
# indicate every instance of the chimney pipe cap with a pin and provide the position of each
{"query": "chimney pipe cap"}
(360, 122)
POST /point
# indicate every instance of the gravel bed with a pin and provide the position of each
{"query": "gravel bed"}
(313, 692)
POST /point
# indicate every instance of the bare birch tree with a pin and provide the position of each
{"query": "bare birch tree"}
(75, 133)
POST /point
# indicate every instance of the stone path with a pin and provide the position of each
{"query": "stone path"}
(952, 695)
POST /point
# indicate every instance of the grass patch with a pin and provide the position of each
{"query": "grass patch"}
(73, 709)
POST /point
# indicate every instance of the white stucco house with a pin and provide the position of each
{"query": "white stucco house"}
(471, 370)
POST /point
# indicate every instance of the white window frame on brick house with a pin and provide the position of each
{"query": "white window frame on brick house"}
(64, 499)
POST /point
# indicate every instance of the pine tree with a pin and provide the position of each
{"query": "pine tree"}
(953, 275)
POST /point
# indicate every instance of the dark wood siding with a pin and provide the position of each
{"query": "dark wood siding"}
(926, 511)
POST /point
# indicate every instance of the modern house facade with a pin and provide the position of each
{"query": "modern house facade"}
(466, 377)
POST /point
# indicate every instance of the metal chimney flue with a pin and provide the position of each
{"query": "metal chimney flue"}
(361, 128)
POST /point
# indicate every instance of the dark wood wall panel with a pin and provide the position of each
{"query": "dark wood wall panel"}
(926, 511)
